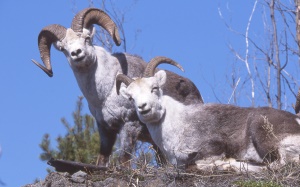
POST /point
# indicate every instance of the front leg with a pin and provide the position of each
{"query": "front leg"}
(128, 138)
(107, 141)
(228, 164)
(159, 156)
(145, 136)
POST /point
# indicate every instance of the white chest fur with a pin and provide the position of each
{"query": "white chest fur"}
(169, 136)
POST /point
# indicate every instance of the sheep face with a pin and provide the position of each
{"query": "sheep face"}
(146, 93)
(78, 48)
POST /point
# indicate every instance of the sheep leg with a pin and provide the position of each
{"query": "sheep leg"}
(107, 141)
(128, 138)
(145, 136)
(228, 164)
(264, 138)
(289, 151)
(159, 156)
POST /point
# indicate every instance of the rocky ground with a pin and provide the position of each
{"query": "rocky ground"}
(288, 175)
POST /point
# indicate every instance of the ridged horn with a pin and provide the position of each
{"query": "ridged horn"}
(122, 78)
(47, 36)
(90, 16)
(154, 62)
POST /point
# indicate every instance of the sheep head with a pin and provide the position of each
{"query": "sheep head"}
(75, 42)
(146, 92)
(78, 48)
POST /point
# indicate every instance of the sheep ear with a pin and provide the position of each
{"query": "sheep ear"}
(58, 45)
(161, 77)
(124, 93)
(93, 32)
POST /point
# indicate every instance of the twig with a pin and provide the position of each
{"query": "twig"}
(247, 51)
(235, 86)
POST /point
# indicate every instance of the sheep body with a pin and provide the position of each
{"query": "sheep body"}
(95, 70)
(195, 133)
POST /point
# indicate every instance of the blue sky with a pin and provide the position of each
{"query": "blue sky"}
(32, 104)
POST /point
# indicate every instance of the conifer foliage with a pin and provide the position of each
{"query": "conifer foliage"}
(80, 143)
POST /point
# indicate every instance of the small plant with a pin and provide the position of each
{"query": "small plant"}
(80, 143)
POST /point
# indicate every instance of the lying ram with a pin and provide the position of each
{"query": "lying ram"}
(204, 134)
(95, 70)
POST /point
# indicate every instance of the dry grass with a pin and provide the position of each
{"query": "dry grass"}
(149, 176)
(288, 175)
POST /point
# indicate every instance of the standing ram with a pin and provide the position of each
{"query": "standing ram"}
(95, 70)
(204, 134)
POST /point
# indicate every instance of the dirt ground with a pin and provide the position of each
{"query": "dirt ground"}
(288, 175)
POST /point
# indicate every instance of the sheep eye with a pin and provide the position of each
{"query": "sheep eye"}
(88, 39)
(154, 89)
(130, 99)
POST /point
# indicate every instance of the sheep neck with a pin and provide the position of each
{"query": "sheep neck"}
(163, 131)
(97, 82)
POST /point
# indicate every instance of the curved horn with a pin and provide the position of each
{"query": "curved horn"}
(154, 62)
(122, 78)
(47, 36)
(90, 16)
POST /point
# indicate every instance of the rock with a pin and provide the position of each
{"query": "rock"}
(79, 177)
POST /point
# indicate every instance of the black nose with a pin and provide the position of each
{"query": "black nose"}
(142, 106)
(76, 53)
